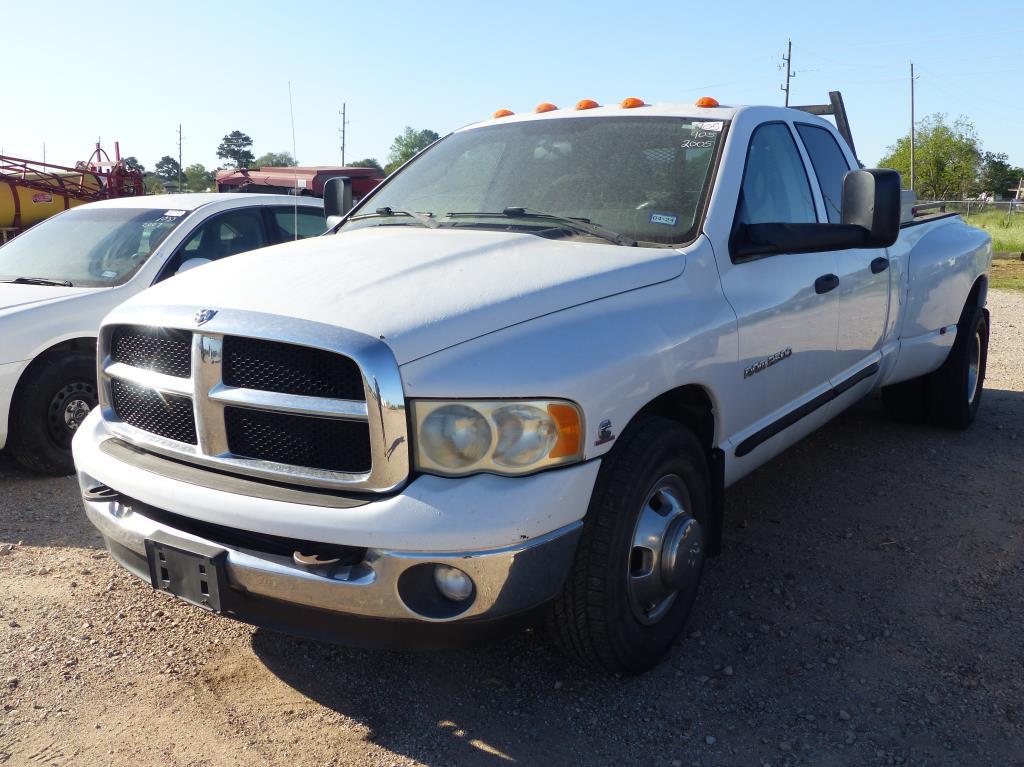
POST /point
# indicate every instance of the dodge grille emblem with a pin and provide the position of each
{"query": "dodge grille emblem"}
(205, 315)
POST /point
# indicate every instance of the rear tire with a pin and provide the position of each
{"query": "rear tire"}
(640, 557)
(955, 389)
(50, 404)
(951, 395)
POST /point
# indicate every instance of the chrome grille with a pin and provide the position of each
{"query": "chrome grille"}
(165, 415)
(284, 399)
(158, 349)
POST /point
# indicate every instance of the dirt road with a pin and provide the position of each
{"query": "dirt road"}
(868, 610)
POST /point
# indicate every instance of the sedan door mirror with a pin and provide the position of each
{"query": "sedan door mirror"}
(192, 263)
(337, 199)
(871, 219)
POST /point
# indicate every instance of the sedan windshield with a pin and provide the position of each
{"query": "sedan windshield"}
(87, 246)
(641, 178)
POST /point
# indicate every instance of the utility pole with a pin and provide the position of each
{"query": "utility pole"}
(179, 156)
(341, 130)
(912, 134)
(788, 59)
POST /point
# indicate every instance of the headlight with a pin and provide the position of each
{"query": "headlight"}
(501, 437)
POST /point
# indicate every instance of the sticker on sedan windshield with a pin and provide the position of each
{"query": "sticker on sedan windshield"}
(716, 127)
(174, 213)
(108, 274)
(667, 219)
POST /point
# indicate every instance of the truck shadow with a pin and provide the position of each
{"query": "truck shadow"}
(825, 597)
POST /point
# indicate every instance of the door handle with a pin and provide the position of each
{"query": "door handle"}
(825, 283)
(880, 264)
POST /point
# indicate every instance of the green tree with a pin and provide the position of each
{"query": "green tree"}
(153, 184)
(167, 168)
(947, 158)
(369, 162)
(236, 148)
(132, 163)
(997, 175)
(276, 160)
(198, 178)
(408, 144)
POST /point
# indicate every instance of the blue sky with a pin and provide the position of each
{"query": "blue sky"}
(132, 71)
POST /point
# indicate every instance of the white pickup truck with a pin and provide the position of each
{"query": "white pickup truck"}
(61, 277)
(520, 376)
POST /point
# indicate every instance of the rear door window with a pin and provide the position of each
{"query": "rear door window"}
(830, 167)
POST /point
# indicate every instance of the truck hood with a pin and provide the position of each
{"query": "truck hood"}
(421, 290)
(13, 297)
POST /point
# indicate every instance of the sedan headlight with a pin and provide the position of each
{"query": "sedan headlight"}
(500, 437)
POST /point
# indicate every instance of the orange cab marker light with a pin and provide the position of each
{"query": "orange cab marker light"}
(545, 107)
(631, 103)
(587, 104)
(503, 113)
(706, 101)
(569, 436)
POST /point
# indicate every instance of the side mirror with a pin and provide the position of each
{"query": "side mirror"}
(870, 219)
(337, 199)
(871, 200)
(192, 263)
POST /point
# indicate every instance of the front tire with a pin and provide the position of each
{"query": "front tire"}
(640, 557)
(51, 402)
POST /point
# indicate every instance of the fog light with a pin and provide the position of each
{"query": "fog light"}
(453, 583)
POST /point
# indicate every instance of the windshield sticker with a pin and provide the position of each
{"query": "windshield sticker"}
(108, 274)
(174, 213)
(714, 127)
(668, 219)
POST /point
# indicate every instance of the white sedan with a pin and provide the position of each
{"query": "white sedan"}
(61, 277)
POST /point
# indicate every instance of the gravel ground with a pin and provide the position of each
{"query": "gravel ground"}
(867, 610)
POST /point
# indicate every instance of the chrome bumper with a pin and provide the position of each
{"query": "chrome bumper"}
(507, 581)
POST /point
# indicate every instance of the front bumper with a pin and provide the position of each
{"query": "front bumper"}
(377, 601)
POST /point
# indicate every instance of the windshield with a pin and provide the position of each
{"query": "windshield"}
(87, 246)
(641, 177)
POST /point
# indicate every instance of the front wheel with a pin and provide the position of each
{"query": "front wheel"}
(640, 557)
(49, 406)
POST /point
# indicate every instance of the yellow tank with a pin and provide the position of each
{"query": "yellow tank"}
(33, 204)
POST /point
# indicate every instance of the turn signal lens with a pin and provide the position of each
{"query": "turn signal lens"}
(503, 113)
(587, 104)
(569, 433)
(545, 107)
(706, 101)
(632, 103)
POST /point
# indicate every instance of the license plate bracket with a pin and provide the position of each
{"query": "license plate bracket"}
(192, 571)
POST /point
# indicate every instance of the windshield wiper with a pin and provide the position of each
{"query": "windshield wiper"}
(577, 224)
(39, 281)
(424, 218)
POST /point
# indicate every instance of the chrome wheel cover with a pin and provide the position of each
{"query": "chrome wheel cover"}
(974, 367)
(666, 551)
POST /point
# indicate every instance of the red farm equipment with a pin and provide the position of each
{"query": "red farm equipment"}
(31, 191)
